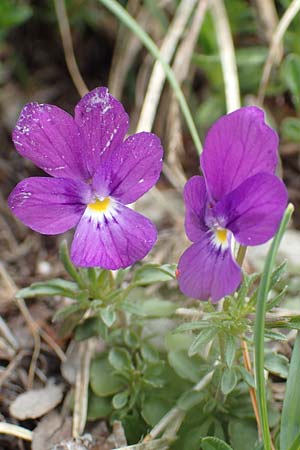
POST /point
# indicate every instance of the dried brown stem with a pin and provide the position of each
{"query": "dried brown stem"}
(66, 37)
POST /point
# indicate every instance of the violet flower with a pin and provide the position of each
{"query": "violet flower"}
(239, 197)
(95, 174)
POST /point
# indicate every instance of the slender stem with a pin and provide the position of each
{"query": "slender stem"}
(248, 367)
(259, 329)
(129, 21)
(241, 255)
(65, 32)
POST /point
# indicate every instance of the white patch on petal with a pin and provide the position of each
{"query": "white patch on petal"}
(99, 217)
(96, 99)
(220, 238)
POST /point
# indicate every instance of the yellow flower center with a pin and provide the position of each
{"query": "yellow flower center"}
(221, 235)
(100, 205)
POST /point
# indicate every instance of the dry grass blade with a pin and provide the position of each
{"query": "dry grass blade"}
(81, 387)
(14, 430)
(181, 67)
(65, 31)
(7, 334)
(268, 16)
(126, 48)
(158, 75)
(283, 25)
(227, 55)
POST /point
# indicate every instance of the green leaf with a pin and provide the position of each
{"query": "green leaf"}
(154, 273)
(290, 129)
(277, 273)
(98, 407)
(273, 302)
(108, 315)
(105, 281)
(202, 340)
(296, 444)
(150, 308)
(275, 335)
(149, 353)
(57, 286)
(213, 443)
(68, 265)
(131, 339)
(230, 346)
(65, 312)
(70, 322)
(259, 327)
(13, 14)
(119, 359)
(154, 407)
(229, 380)
(104, 382)
(291, 75)
(189, 399)
(243, 434)
(91, 326)
(190, 326)
(277, 364)
(290, 418)
(247, 377)
(120, 400)
(186, 367)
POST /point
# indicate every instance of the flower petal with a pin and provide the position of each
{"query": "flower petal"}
(103, 122)
(206, 271)
(195, 199)
(238, 146)
(49, 205)
(114, 239)
(51, 139)
(131, 169)
(253, 210)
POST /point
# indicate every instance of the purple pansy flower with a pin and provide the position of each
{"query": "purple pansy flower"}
(94, 175)
(239, 197)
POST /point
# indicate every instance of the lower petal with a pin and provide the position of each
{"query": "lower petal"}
(205, 271)
(49, 205)
(113, 239)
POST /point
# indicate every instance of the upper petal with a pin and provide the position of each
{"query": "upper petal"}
(206, 271)
(50, 138)
(114, 239)
(131, 169)
(253, 210)
(195, 199)
(236, 147)
(49, 205)
(103, 122)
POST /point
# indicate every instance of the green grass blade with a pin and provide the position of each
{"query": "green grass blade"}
(290, 418)
(131, 23)
(296, 444)
(260, 326)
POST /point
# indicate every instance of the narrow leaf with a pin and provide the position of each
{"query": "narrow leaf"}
(259, 328)
(290, 419)
(213, 443)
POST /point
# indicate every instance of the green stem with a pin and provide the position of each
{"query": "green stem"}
(259, 329)
(131, 23)
(241, 255)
